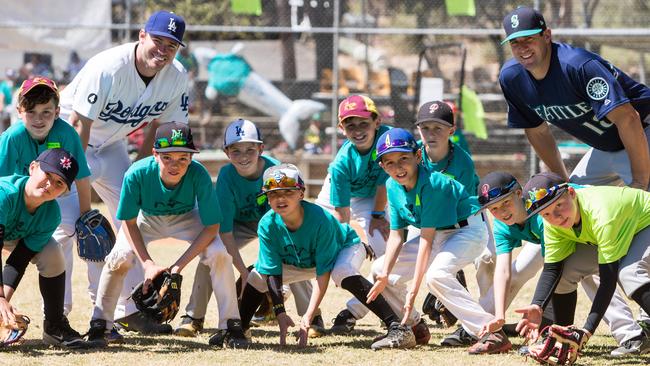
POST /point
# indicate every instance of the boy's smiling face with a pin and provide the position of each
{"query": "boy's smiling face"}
(39, 119)
(172, 166)
(402, 166)
(244, 156)
(46, 186)
(509, 210)
(360, 131)
(563, 212)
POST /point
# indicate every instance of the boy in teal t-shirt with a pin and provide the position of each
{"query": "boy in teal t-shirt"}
(237, 187)
(40, 129)
(354, 187)
(168, 195)
(435, 126)
(301, 241)
(613, 219)
(29, 215)
(451, 237)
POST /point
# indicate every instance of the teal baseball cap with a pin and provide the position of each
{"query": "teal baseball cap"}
(523, 22)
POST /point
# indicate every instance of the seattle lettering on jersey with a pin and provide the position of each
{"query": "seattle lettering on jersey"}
(555, 113)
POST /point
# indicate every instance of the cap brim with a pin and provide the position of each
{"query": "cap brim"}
(446, 123)
(278, 189)
(559, 193)
(47, 168)
(519, 34)
(498, 199)
(166, 35)
(244, 140)
(176, 149)
(360, 114)
(395, 149)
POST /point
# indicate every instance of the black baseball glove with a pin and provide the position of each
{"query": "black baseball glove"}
(163, 297)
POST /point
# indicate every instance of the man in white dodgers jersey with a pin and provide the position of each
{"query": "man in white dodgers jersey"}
(117, 92)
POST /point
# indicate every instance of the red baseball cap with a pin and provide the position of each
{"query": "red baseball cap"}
(30, 84)
(356, 106)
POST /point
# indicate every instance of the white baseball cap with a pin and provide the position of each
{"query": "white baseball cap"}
(241, 130)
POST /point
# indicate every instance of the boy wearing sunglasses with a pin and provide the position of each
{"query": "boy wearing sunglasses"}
(501, 194)
(613, 220)
(451, 237)
(237, 187)
(301, 241)
(168, 195)
(354, 189)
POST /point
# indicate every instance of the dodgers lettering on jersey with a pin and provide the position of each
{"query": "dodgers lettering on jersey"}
(109, 91)
(34, 229)
(576, 95)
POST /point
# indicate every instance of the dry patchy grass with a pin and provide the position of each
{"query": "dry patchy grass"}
(175, 351)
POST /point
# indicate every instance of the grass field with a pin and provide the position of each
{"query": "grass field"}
(176, 351)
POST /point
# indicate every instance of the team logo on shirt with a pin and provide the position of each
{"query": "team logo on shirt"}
(597, 88)
(119, 113)
(514, 21)
(92, 98)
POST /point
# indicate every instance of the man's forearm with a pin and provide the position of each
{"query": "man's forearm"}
(545, 146)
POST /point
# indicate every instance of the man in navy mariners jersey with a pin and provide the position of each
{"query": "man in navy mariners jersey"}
(581, 93)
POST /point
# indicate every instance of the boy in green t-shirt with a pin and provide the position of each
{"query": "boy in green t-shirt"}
(29, 215)
(237, 187)
(615, 220)
(501, 193)
(301, 241)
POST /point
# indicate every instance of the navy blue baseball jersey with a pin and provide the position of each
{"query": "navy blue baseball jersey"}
(576, 94)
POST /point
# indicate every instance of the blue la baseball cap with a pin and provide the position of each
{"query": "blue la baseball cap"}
(395, 140)
(523, 22)
(166, 24)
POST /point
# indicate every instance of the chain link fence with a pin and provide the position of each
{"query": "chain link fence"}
(398, 52)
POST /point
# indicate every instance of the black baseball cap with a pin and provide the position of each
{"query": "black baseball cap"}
(174, 137)
(59, 162)
(494, 187)
(542, 190)
(436, 111)
(523, 22)
(166, 24)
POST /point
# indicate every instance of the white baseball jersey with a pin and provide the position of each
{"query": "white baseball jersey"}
(110, 91)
